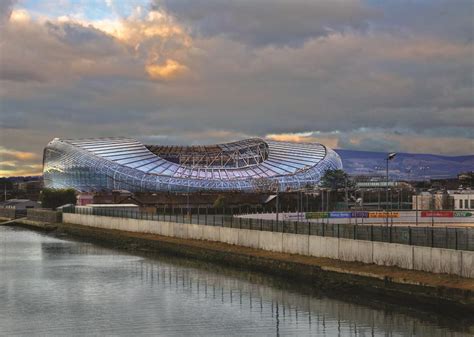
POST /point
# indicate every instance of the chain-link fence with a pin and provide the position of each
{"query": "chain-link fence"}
(439, 237)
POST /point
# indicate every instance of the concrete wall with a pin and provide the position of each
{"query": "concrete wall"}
(44, 215)
(7, 213)
(435, 260)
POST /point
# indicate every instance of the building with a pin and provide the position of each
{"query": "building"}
(20, 204)
(108, 207)
(431, 201)
(249, 165)
(463, 201)
(84, 198)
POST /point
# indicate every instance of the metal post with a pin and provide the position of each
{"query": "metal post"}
(416, 206)
(447, 241)
(386, 191)
(432, 209)
(298, 206)
(346, 193)
(277, 204)
(327, 201)
(456, 237)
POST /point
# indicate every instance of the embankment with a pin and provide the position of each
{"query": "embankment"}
(398, 284)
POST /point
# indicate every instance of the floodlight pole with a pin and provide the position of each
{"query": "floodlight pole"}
(277, 204)
(389, 157)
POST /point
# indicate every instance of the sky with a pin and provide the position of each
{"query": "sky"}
(353, 74)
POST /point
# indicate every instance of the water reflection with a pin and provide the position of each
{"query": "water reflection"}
(50, 286)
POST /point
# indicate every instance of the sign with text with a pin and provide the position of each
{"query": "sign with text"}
(316, 215)
(462, 214)
(340, 215)
(384, 214)
(360, 214)
(437, 214)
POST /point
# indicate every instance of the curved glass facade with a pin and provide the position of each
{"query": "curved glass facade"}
(249, 165)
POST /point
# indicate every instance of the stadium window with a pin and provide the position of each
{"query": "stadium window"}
(460, 203)
(465, 204)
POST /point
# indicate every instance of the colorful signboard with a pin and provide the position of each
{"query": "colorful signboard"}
(384, 214)
(340, 215)
(462, 214)
(437, 214)
(316, 215)
(360, 214)
(348, 215)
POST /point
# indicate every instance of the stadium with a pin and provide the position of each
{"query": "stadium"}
(249, 165)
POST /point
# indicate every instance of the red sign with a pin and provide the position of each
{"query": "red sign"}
(437, 214)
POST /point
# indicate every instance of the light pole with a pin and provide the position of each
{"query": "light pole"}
(389, 157)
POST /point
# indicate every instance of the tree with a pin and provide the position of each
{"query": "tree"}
(220, 202)
(52, 198)
(266, 185)
(335, 179)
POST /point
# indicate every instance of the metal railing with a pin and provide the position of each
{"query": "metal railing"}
(439, 237)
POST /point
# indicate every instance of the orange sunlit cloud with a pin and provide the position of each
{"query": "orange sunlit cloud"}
(17, 155)
(18, 163)
(306, 137)
(146, 38)
(167, 70)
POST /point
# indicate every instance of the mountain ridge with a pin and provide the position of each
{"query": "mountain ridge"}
(405, 166)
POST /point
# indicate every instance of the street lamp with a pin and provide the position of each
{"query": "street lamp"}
(389, 157)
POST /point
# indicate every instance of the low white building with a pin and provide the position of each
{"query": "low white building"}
(20, 204)
(429, 201)
(119, 207)
(463, 201)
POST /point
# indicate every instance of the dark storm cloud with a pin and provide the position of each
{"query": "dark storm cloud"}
(6, 7)
(271, 21)
(440, 18)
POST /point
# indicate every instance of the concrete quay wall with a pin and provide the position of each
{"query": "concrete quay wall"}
(434, 260)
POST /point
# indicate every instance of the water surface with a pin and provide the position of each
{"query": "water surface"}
(58, 287)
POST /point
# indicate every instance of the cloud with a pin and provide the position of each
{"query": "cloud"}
(331, 139)
(174, 74)
(13, 162)
(8, 154)
(266, 22)
(168, 69)
(6, 7)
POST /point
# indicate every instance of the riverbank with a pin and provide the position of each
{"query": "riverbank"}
(401, 285)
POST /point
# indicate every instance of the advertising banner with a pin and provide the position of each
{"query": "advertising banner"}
(340, 215)
(316, 215)
(384, 214)
(293, 217)
(437, 214)
(462, 214)
(360, 214)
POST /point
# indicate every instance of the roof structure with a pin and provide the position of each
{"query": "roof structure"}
(125, 163)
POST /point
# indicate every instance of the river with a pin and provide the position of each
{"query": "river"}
(57, 286)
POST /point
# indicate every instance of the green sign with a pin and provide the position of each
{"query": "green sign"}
(316, 215)
(462, 214)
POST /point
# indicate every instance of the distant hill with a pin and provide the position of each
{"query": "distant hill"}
(405, 166)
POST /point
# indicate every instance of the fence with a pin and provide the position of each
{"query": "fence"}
(438, 237)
